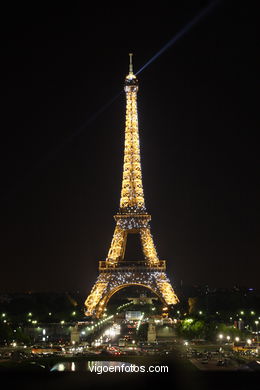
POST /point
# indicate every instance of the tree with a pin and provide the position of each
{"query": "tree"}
(6, 333)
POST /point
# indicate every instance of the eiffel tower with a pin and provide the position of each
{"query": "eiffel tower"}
(115, 273)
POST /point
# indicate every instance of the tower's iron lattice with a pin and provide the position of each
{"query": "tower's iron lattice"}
(132, 218)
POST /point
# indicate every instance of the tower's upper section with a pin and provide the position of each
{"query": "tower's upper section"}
(132, 196)
(131, 82)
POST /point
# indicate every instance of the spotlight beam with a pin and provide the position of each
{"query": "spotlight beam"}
(182, 32)
(52, 154)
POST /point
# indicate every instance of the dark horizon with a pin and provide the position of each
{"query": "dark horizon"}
(199, 151)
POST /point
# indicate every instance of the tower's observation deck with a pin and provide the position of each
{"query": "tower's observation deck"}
(132, 218)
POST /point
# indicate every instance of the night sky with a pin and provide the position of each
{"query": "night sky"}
(62, 148)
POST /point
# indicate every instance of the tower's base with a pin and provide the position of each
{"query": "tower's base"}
(108, 283)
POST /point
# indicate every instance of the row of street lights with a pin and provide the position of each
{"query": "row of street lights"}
(237, 339)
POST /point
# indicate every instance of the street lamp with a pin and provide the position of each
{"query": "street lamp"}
(228, 338)
(220, 336)
(249, 342)
(237, 339)
(257, 322)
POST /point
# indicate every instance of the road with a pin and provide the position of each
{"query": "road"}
(211, 365)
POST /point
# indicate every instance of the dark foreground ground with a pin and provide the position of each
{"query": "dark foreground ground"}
(172, 380)
(180, 376)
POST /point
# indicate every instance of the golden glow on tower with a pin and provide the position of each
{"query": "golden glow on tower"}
(95, 296)
(117, 248)
(132, 218)
(132, 194)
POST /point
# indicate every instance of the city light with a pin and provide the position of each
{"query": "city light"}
(220, 336)
(61, 367)
(139, 322)
(237, 339)
(249, 341)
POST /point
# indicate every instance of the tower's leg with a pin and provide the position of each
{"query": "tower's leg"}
(166, 290)
(118, 244)
(148, 246)
(94, 297)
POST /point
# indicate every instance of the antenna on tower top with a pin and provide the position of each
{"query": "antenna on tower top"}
(131, 64)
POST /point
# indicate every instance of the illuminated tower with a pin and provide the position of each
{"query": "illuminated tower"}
(132, 218)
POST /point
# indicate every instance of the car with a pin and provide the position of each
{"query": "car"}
(222, 363)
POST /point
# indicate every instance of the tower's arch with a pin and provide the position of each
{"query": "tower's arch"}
(104, 302)
(109, 283)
